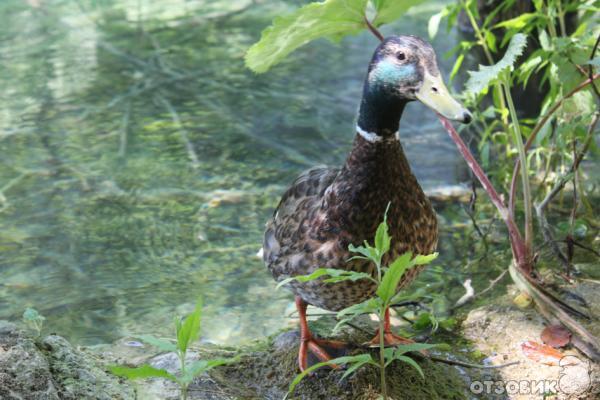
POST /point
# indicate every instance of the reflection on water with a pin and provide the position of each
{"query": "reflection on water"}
(140, 159)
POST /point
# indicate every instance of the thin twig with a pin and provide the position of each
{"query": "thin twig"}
(591, 67)
(373, 30)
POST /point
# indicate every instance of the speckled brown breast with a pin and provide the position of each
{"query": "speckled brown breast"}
(326, 210)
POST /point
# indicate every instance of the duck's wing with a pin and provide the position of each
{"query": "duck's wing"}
(296, 203)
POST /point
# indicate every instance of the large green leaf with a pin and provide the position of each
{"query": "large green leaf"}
(189, 330)
(390, 10)
(145, 371)
(315, 20)
(389, 283)
(480, 80)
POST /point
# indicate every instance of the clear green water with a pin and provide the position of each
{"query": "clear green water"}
(140, 160)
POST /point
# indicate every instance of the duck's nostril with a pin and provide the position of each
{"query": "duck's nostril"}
(467, 117)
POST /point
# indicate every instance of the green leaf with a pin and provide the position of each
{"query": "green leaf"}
(408, 348)
(382, 237)
(490, 39)
(480, 80)
(145, 371)
(336, 361)
(158, 343)
(434, 22)
(202, 366)
(313, 21)
(361, 360)
(424, 259)
(457, 64)
(366, 307)
(594, 61)
(368, 252)
(189, 330)
(337, 275)
(389, 283)
(391, 10)
(412, 363)
(519, 22)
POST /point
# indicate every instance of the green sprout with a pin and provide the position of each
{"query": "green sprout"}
(187, 331)
(387, 279)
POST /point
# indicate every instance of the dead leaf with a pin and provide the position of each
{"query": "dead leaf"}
(556, 335)
(541, 353)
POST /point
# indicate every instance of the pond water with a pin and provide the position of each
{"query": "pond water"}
(140, 160)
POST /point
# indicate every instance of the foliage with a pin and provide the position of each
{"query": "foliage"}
(187, 331)
(480, 80)
(34, 320)
(387, 279)
(331, 19)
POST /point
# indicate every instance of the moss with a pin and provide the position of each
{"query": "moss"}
(267, 368)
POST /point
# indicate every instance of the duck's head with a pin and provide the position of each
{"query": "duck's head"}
(405, 68)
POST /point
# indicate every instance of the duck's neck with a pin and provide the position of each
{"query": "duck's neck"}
(379, 113)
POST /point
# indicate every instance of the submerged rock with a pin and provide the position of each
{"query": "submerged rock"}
(52, 369)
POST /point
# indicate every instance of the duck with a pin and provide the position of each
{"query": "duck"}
(327, 209)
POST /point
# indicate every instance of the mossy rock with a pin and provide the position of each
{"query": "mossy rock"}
(268, 372)
(52, 369)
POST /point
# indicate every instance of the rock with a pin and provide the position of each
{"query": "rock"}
(501, 330)
(52, 370)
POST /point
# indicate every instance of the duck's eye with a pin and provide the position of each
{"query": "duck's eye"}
(401, 56)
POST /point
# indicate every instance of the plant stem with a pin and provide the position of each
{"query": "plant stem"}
(517, 245)
(382, 352)
(535, 131)
(561, 18)
(518, 139)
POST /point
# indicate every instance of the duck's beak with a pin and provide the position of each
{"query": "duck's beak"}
(433, 94)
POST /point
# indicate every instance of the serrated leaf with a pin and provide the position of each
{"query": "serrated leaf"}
(390, 10)
(313, 21)
(367, 251)
(389, 283)
(143, 372)
(480, 80)
(189, 330)
(158, 343)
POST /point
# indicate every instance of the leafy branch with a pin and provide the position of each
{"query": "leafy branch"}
(331, 19)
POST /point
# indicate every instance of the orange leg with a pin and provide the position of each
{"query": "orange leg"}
(389, 338)
(309, 343)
